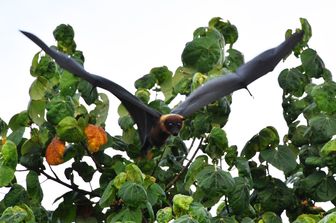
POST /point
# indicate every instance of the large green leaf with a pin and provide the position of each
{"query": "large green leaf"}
(68, 130)
(324, 96)
(196, 166)
(164, 215)
(181, 204)
(68, 83)
(239, 198)
(101, 110)
(282, 158)
(199, 213)
(36, 111)
(215, 181)
(59, 108)
(34, 187)
(18, 214)
(267, 138)
(108, 196)
(133, 194)
(322, 128)
(312, 63)
(229, 31)
(293, 81)
(217, 143)
(202, 54)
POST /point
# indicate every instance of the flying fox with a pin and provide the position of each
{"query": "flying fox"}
(153, 127)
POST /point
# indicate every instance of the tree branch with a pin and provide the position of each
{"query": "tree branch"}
(72, 187)
(177, 177)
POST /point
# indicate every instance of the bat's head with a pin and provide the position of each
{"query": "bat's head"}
(171, 123)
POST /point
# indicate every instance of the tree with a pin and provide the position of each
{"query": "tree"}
(183, 180)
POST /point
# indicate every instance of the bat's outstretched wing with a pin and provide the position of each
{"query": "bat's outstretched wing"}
(144, 116)
(245, 74)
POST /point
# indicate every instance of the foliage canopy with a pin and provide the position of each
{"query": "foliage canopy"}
(65, 121)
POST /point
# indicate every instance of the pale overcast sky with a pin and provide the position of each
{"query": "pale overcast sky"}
(123, 40)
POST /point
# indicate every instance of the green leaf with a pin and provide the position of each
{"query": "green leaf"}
(196, 166)
(270, 217)
(164, 79)
(147, 81)
(19, 120)
(282, 158)
(43, 67)
(126, 215)
(119, 180)
(154, 193)
(267, 138)
(199, 213)
(64, 34)
(101, 110)
(181, 204)
(59, 108)
(326, 190)
(16, 195)
(8, 155)
(17, 135)
(125, 122)
(239, 198)
(217, 143)
(65, 213)
(39, 88)
(68, 83)
(293, 81)
(228, 30)
(234, 59)
(322, 128)
(3, 128)
(328, 149)
(307, 218)
(68, 130)
(84, 170)
(34, 187)
(36, 111)
(143, 95)
(185, 219)
(324, 96)
(134, 174)
(7, 175)
(312, 63)
(160, 106)
(18, 214)
(133, 194)
(88, 91)
(108, 196)
(215, 181)
(164, 215)
(330, 218)
(202, 54)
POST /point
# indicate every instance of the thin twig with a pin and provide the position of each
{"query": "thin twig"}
(177, 177)
(158, 163)
(72, 187)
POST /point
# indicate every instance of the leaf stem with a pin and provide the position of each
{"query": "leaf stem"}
(177, 177)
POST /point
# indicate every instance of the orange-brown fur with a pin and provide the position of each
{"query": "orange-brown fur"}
(160, 132)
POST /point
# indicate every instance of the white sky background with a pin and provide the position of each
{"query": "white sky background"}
(123, 40)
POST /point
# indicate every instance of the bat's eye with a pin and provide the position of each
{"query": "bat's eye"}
(170, 124)
(179, 124)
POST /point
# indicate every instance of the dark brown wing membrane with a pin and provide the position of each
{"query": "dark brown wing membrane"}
(142, 115)
(245, 74)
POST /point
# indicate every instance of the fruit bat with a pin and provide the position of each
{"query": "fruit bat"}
(153, 127)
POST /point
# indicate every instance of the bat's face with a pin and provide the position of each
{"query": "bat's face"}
(172, 123)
